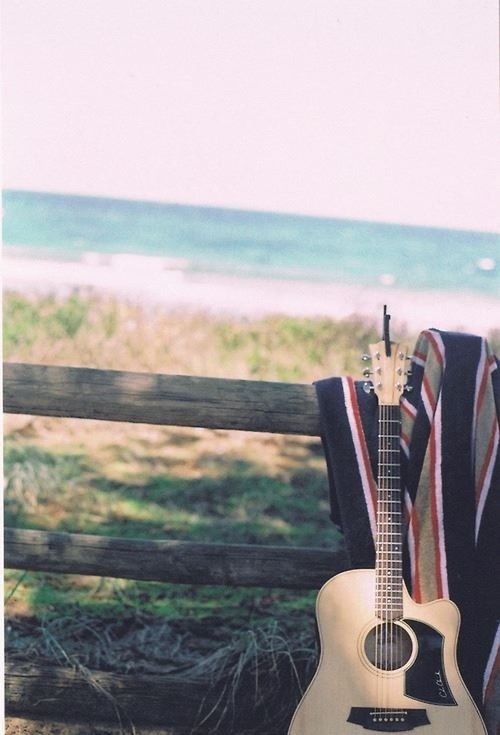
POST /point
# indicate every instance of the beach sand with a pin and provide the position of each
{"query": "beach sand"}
(254, 297)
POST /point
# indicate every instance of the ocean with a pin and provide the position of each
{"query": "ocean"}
(247, 243)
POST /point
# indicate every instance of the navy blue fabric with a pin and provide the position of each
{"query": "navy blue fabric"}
(348, 507)
(473, 571)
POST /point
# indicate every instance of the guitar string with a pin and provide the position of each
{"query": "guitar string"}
(379, 605)
(393, 541)
(382, 598)
(385, 554)
(377, 582)
(381, 563)
(389, 645)
(399, 537)
(396, 496)
(389, 551)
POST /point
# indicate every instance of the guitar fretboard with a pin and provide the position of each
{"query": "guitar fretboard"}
(389, 555)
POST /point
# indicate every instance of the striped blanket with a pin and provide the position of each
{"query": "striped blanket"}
(450, 468)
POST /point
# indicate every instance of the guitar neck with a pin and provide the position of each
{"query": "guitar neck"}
(389, 555)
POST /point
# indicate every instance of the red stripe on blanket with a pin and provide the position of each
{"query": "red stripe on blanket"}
(482, 387)
(407, 407)
(420, 355)
(436, 531)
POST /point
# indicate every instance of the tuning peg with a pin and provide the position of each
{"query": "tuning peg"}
(368, 387)
(367, 372)
(408, 388)
(409, 357)
(365, 357)
(408, 372)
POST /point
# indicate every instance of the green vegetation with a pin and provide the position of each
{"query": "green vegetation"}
(156, 482)
(99, 332)
(161, 482)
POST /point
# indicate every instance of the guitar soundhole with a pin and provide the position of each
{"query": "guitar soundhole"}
(388, 646)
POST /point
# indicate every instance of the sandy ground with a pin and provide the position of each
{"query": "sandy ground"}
(255, 297)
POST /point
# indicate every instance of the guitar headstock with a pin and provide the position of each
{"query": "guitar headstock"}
(389, 372)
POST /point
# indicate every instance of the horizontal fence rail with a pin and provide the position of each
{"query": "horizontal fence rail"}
(195, 704)
(57, 692)
(172, 561)
(175, 400)
(43, 692)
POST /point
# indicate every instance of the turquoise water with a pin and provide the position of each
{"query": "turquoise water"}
(250, 243)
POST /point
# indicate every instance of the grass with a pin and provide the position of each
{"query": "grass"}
(157, 482)
(161, 482)
(231, 500)
(99, 332)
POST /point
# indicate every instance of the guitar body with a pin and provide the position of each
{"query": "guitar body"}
(418, 688)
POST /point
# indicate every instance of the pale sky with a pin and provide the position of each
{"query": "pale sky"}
(371, 109)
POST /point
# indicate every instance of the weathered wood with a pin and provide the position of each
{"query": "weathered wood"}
(171, 701)
(98, 697)
(175, 400)
(182, 701)
(171, 561)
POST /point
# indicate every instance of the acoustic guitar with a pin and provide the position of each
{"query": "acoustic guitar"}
(387, 663)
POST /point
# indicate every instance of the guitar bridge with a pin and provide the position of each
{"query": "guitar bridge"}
(388, 720)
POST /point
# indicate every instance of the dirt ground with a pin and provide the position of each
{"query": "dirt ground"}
(18, 726)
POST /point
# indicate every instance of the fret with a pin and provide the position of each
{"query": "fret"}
(381, 594)
(386, 533)
(390, 569)
(390, 511)
(388, 543)
(394, 512)
(384, 546)
(395, 575)
(396, 532)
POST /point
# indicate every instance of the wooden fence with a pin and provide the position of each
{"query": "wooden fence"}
(39, 692)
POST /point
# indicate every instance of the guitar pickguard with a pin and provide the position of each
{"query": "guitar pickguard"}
(426, 679)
